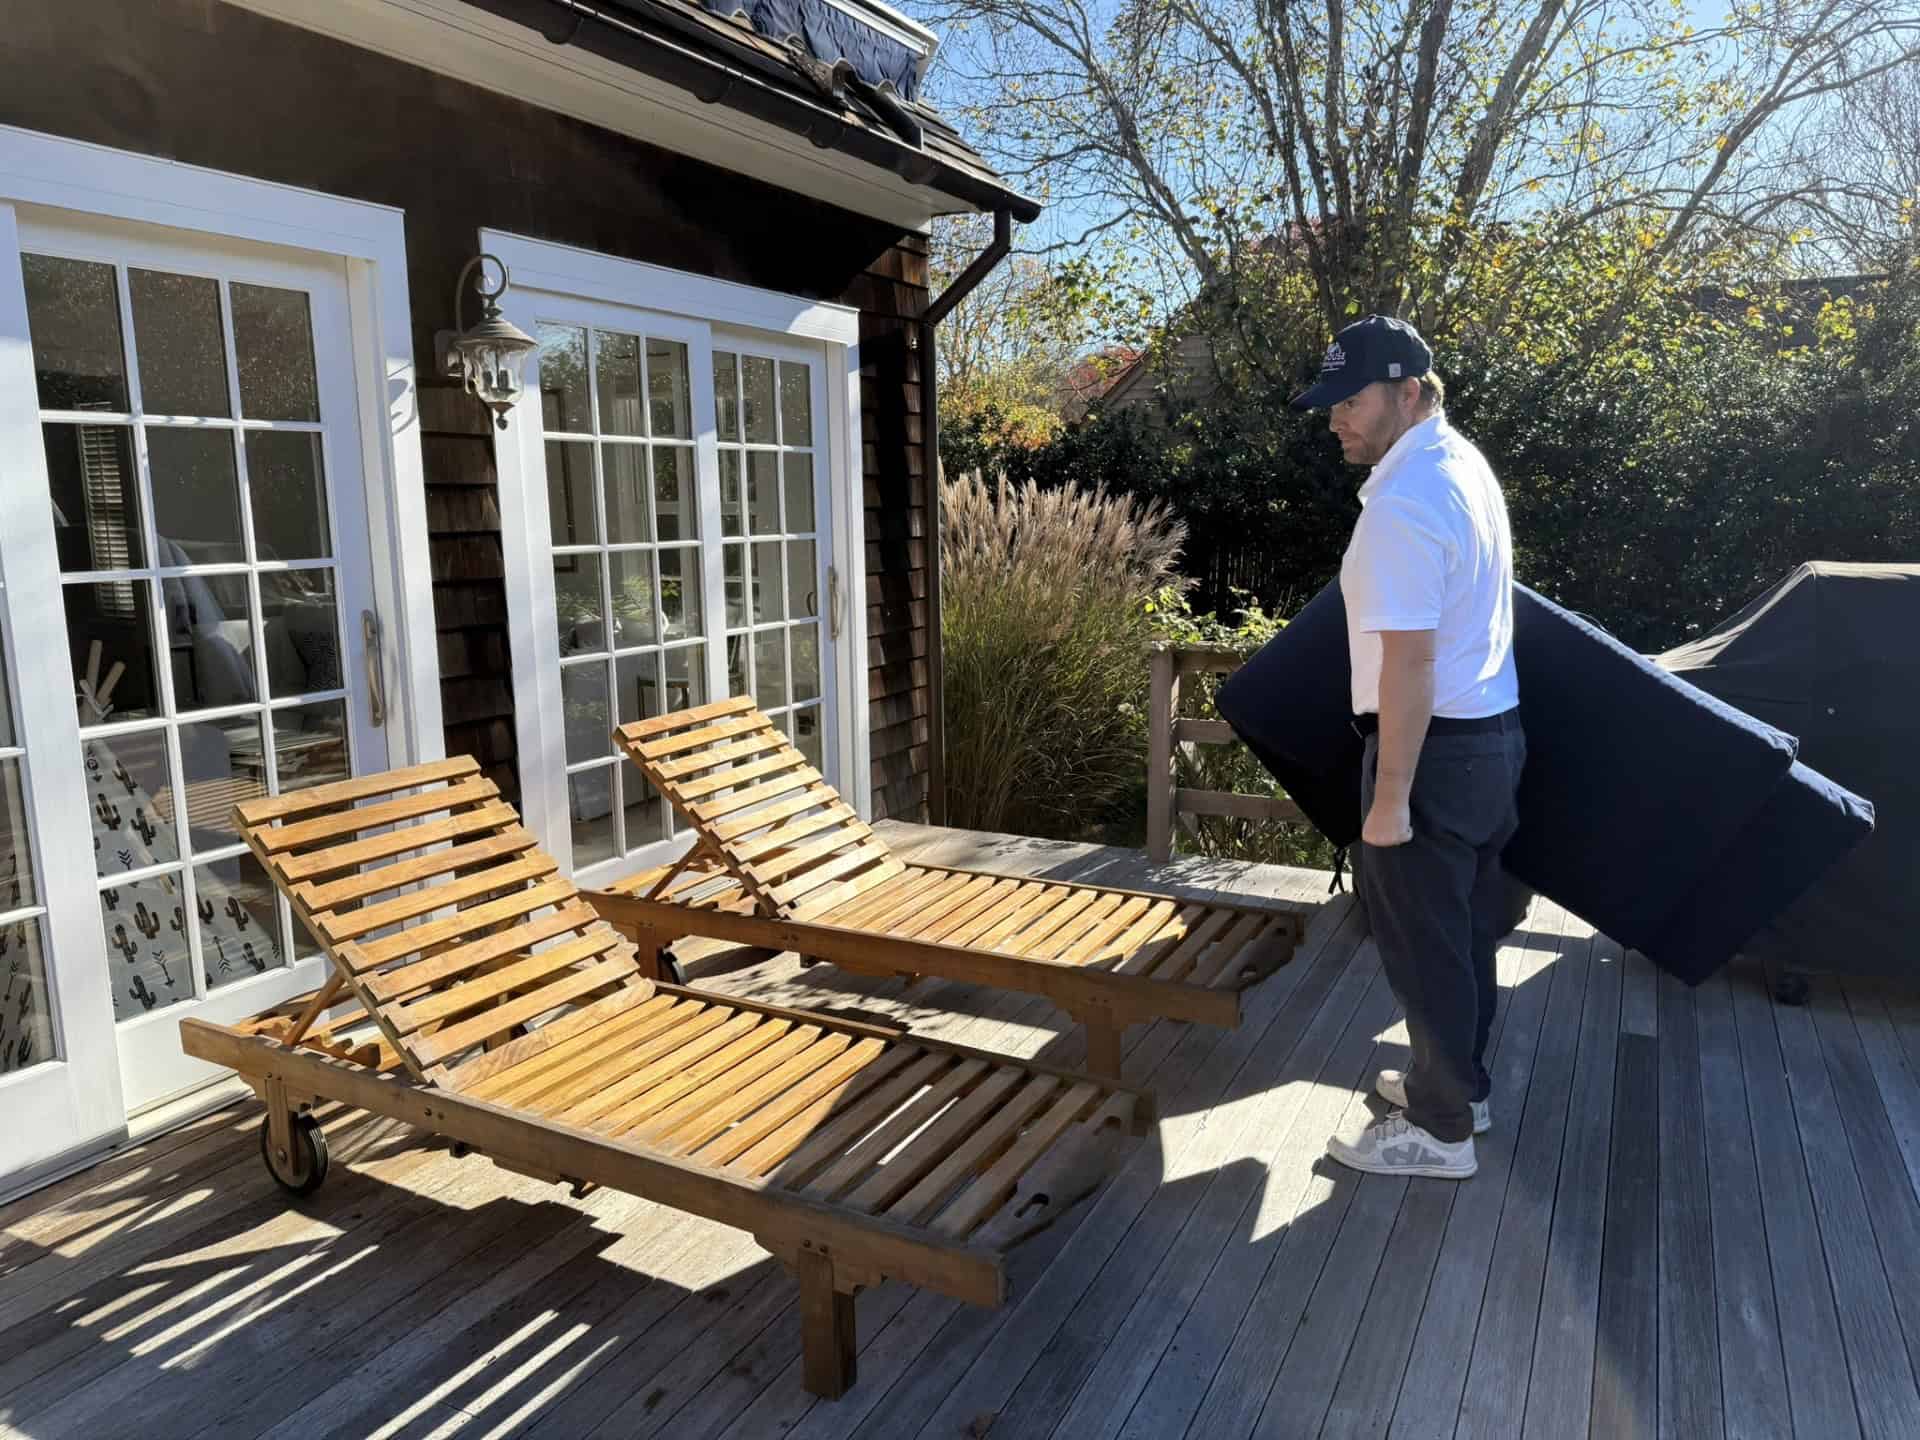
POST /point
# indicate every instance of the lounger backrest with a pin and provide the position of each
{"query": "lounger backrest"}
(760, 806)
(444, 918)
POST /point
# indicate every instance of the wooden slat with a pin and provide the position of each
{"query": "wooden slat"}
(912, 888)
(867, 852)
(838, 1103)
(1043, 930)
(588, 1076)
(729, 831)
(465, 922)
(839, 891)
(955, 909)
(420, 869)
(477, 1068)
(990, 1190)
(690, 1037)
(794, 1155)
(784, 861)
(1003, 912)
(445, 1003)
(1228, 948)
(1184, 956)
(749, 804)
(552, 1071)
(793, 1071)
(756, 742)
(1108, 927)
(969, 1151)
(374, 848)
(443, 1044)
(809, 1102)
(735, 776)
(680, 744)
(641, 730)
(352, 924)
(1062, 941)
(872, 1150)
(402, 980)
(1140, 934)
(901, 1171)
(793, 831)
(696, 1118)
(278, 839)
(1043, 897)
(346, 792)
(691, 1075)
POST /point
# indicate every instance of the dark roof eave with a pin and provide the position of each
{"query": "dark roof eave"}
(652, 40)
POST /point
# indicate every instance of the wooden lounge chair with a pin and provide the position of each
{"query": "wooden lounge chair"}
(490, 1004)
(781, 861)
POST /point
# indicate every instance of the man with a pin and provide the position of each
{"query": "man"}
(1428, 584)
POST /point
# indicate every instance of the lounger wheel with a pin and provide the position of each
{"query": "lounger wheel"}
(302, 1171)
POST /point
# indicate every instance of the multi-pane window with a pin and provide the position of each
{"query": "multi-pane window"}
(26, 1008)
(770, 538)
(623, 507)
(189, 496)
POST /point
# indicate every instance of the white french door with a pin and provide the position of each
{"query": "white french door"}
(185, 517)
(675, 484)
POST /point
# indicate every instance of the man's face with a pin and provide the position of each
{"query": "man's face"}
(1369, 422)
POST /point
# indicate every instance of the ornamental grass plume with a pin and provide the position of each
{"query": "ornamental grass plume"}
(1047, 610)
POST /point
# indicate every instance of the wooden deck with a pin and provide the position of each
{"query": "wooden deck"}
(1696, 1215)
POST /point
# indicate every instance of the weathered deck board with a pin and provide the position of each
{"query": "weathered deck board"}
(1696, 1212)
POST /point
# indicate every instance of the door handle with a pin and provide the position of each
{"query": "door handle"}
(833, 602)
(376, 675)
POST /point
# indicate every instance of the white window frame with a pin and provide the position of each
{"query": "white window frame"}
(589, 279)
(101, 183)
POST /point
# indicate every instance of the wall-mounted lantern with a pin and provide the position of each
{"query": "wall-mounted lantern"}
(486, 359)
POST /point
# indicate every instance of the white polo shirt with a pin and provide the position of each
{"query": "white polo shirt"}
(1433, 551)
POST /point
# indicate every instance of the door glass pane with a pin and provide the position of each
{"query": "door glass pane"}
(178, 345)
(95, 491)
(17, 887)
(796, 404)
(210, 638)
(628, 519)
(756, 398)
(570, 514)
(763, 491)
(6, 704)
(196, 496)
(736, 585)
(680, 593)
(636, 680)
(799, 473)
(110, 637)
(732, 517)
(130, 796)
(303, 632)
(616, 360)
(224, 767)
(310, 744)
(805, 640)
(590, 807)
(686, 677)
(288, 487)
(739, 656)
(668, 390)
(766, 583)
(148, 957)
(239, 921)
(646, 815)
(770, 669)
(807, 737)
(803, 580)
(73, 310)
(577, 603)
(726, 395)
(563, 379)
(634, 621)
(583, 705)
(26, 1006)
(673, 490)
(273, 343)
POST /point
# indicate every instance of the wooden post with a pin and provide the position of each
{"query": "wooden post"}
(1164, 700)
(279, 1121)
(829, 1354)
(1103, 1045)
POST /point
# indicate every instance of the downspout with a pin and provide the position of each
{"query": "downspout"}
(961, 286)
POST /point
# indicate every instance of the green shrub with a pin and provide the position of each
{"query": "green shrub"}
(1046, 617)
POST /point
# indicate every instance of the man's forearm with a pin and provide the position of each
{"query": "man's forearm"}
(1406, 707)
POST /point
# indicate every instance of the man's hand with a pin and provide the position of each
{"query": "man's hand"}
(1388, 824)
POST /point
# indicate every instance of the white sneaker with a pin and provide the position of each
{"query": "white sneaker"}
(1395, 1147)
(1392, 1085)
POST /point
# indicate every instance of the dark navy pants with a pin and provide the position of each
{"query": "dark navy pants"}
(1438, 907)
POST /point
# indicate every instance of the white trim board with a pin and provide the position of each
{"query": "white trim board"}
(450, 38)
(588, 275)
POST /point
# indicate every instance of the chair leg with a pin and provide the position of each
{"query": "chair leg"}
(1103, 1048)
(827, 1344)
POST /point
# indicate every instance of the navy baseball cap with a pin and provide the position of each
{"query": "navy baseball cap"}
(1376, 348)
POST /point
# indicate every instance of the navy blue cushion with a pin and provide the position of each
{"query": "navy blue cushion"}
(1644, 800)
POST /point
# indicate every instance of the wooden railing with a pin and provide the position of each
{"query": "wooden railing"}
(1167, 801)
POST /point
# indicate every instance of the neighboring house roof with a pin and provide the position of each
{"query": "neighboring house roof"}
(1093, 377)
(843, 73)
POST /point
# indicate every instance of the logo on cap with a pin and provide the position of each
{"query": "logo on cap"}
(1336, 358)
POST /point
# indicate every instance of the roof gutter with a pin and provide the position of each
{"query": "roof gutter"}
(961, 286)
(655, 40)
